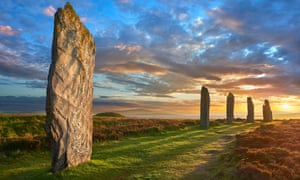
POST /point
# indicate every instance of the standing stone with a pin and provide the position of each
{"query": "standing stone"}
(204, 109)
(267, 113)
(69, 122)
(250, 107)
(230, 107)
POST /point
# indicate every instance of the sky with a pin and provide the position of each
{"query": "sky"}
(153, 57)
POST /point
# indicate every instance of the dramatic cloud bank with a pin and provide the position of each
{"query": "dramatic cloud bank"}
(163, 51)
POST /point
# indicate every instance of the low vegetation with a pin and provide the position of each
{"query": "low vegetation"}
(114, 129)
(26, 132)
(22, 132)
(128, 148)
(270, 152)
(170, 153)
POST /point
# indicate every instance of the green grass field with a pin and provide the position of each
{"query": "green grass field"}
(188, 152)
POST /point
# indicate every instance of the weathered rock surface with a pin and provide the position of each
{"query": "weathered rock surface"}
(230, 107)
(69, 122)
(250, 107)
(267, 113)
(204, 108)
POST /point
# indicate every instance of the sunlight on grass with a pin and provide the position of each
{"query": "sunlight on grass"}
(165, 155)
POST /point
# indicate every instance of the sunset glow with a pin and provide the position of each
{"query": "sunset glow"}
(153, 57)
(286, 106)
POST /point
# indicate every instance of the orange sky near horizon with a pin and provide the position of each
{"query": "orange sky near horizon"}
(283, 107)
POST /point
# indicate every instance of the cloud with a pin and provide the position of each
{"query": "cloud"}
(49, 11)
(7, 30)
(83, 19)
(165, 48)
(161, 26)
(13, 69)
(267, 85)
(36, 84)
(223, 20)
(124, 1)
(155, 85)
(182, 16)
(19, 58)
(227, 42)
(128, 48)
(262, 32)
(263, 20)
(127, 5)
(168, 49)
(198, 22)
(105, 85)
(134, 67)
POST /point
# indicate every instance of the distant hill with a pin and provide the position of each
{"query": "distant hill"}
(109, 114)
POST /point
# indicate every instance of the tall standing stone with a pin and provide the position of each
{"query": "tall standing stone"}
(204, 109)
(250, 107)
(69, 122)
(267, 113)
(230, 107)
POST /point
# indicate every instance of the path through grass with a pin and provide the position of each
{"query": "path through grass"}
(165, 155)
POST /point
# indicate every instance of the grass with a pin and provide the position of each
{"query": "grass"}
(14, 126)
(165, 154)
(26, 132)
(21, 132)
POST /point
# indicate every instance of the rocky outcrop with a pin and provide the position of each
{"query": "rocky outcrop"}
(204, 108)
(250, 107)
(69, 122)
(267, 113)
(230, 107)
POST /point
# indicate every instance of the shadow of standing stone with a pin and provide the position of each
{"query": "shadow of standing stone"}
(204, 108)
(69, 121)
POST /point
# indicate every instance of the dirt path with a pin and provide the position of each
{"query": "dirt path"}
(211, 157)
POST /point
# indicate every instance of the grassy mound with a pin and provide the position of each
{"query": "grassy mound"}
(109, 114)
